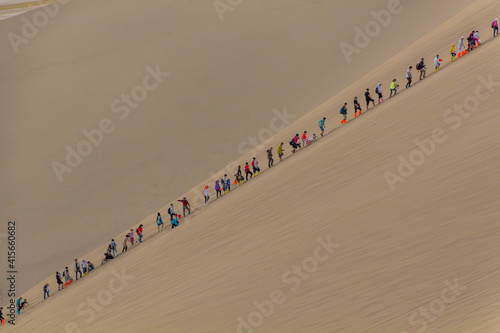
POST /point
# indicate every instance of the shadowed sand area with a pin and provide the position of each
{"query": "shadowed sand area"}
(397, 251)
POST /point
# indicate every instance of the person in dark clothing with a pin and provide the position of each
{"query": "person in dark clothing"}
(357, 107)
(171, 211)
(25, 303)
(185, 206)
(421, 67)
(77, 269)
(270, 157)
(368, 98)
(255, 166)
(107, 256)
(2, 319)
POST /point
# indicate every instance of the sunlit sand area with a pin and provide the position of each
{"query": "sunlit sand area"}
(114, 110)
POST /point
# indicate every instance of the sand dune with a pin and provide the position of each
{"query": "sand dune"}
(225, 79)
(421, 258)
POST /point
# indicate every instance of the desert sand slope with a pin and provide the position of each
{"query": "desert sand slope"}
(397, 252)
(226, 77)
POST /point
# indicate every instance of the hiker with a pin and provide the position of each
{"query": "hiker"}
(270, 159)
(226, 183)
(357, 107)
(477, 40)
(437, 63)
(174, 222)
(217, 190)
(494, 26)
(368, 99)
(280, 150)
(255, 167)
(185, 206)
(139, 233)
(108, 256)
(84, 267)
(77, 269)
(67, 277)
(126, 239)
(313, 138)
(293, 144)
(452, 52)
(25, 304)
(171, 211)
(461, 46)
(91, 266)
(131, 237)
(159, 222)
(321, 127)
(113, 248)
(223, 186)
(247, 171)
(394, 88)
(238, 175)
(60, 284)
(205, 194)
(343, 111)
(378, 90)
(304, 139)
(422, 69)
(46, 292)
(2, 319)
(18, 305)
(470, 39)
(409, 77)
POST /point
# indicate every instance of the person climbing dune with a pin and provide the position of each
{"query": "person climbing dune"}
(368, 98)
(343, 111)
(321, 125)
(409, 77)
(452, 52)
(422, 69)
(394, 88)
(437, 63)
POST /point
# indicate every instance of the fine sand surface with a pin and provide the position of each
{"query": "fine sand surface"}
(225, 79)
(396, 254)
(11, 8)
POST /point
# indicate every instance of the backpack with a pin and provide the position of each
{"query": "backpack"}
(419, 66)
(136, 231)
(291, 143)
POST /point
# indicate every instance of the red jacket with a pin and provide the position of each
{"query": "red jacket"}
(184, 202)
(247, 168)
